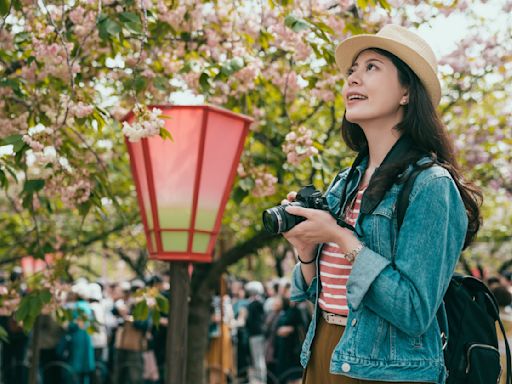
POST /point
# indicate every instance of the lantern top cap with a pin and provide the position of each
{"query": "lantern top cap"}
(196, 106)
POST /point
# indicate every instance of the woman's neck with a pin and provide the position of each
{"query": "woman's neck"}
(380, 142)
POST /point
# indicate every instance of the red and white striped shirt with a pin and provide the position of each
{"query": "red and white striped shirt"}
(335, 269)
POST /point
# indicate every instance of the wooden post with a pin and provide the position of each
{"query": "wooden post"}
(176, 356)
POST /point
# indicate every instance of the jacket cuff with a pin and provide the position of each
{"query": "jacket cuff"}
(367, 266)
(300, 290)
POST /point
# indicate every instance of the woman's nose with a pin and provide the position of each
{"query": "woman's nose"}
(353, 78)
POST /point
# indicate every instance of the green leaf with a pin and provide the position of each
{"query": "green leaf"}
(246, 184)
(139, 83)
(296, 24)
(28, 323)
(384, 4)
(160, 83)
(239, 194)
(204, 82)
(129, 17)
(14, 84)
(23, 309)
(131, 21)
(13, 139)
(84, 208)
(45, 296)
(22, 37)
(264, 39)
(165, 134)
(3, 179)
(236, 64)
(32, 186)
(107, 27)
(4, 7)
(362, 4)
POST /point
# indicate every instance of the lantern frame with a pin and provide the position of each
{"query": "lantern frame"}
(189, 255)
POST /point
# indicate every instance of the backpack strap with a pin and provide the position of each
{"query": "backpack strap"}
(402, 203)
(408, 180)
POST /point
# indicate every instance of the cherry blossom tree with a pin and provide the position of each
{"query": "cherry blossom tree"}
(72, 69)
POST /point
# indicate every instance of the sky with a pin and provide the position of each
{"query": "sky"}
(443, 34)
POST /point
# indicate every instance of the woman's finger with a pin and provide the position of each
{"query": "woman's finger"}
(291, 195)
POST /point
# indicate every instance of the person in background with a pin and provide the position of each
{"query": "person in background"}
(239, 331)
(75, 347)
(159, 333)
(271, 324)
(49, 335)
(254, 326)
(14, 350)
(99, 336)
(220, 347)
(290, 332)
(130, 340)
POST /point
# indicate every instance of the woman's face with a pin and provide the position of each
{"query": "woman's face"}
(372, 90)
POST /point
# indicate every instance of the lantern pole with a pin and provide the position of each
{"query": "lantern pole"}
(176, 356)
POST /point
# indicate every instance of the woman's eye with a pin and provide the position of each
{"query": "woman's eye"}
(350, 71)
(370, 66)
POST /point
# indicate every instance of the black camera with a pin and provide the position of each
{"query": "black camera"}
(277, 220)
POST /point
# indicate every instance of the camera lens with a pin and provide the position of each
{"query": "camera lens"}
(272, 220)
(277, 220)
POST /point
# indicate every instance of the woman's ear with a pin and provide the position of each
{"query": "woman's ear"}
(405, 98)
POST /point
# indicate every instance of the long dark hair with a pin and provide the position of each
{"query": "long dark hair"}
(423, 125)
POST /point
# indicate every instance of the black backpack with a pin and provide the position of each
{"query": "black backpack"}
(470, 343)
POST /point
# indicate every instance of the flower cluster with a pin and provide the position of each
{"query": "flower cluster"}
(147, 123)
(80, 109)
(71, 190)
(35, 136)
(299, 146)
(264, 184)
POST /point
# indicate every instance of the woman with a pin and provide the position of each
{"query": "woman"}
(376, 320)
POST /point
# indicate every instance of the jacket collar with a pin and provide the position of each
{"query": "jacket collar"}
(369, 202)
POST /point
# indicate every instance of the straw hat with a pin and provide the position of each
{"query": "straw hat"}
(401, 42)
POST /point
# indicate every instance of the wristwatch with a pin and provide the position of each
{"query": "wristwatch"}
(351, 256)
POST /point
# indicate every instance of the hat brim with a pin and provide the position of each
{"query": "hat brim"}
(347, 51)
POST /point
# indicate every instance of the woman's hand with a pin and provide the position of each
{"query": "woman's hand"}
(320, 227)
(305, 249)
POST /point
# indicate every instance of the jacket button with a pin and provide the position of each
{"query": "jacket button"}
(354, 322)
(345, 367)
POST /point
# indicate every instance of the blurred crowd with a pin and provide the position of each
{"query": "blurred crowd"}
(257, 333)
(97, 342)
(255, 336)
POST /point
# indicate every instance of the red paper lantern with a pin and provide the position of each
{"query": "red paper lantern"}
(183, 185)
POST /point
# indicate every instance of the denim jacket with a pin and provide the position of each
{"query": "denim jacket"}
(392, 333)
